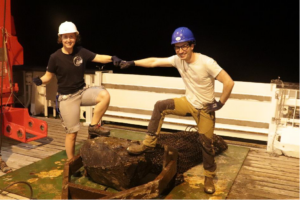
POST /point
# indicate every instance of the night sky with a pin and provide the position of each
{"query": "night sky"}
(254, 41)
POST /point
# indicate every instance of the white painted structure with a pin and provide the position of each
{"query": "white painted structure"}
(253, 111)
(284, 133)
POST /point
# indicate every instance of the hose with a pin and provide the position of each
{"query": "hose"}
(31, 191)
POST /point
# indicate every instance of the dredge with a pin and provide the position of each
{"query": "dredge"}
(146, 176)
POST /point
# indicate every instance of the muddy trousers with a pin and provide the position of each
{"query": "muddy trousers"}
(205, 123)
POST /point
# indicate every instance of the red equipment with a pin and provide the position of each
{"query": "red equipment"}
(16, 122)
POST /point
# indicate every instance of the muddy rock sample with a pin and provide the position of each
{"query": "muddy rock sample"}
(108, 163)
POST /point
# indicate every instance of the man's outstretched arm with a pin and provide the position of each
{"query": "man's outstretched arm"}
(147, 62)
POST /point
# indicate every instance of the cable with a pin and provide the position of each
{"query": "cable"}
(281, 97)
(31, 191)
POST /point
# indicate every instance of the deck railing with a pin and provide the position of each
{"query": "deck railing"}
(249, 113)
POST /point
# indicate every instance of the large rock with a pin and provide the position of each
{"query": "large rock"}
(107, 162)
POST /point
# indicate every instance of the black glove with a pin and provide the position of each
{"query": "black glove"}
(116, 61)
(210, 107)
(125, 64)
(37, 81)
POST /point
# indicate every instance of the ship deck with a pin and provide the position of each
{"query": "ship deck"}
(262, 175)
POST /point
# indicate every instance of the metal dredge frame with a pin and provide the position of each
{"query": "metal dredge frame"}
(149, 190)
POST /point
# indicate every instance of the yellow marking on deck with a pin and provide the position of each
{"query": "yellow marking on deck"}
(50, 174)
(58, 163)
(44, 188)
(7, 178)
(194, 182)
(32, 180)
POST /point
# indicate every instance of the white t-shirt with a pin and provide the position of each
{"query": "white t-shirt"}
(199, 78)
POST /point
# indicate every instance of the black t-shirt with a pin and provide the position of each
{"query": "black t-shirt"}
(69, 69)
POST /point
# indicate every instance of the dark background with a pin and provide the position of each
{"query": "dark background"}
(253, 40)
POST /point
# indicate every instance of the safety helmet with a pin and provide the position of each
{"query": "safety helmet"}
(67, 27)
(182, 34)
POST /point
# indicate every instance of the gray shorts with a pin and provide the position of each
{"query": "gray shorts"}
(69, 106)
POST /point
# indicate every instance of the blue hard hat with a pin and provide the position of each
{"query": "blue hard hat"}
(182, 34)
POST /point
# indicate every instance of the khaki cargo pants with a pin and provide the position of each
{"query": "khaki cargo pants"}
(205, 123)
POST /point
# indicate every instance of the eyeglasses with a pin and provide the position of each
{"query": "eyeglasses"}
(183, 47)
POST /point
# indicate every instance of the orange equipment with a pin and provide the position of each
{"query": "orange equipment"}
(16, 122)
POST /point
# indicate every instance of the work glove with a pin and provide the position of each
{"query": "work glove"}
(37, 81)
(116, 61)
(210, 107)
(125, 64)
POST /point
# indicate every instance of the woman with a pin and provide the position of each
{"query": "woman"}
(68, 64)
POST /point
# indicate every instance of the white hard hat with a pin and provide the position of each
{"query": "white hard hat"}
(67, 27)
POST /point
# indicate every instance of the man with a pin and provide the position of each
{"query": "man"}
(68, 65)
(199, 73)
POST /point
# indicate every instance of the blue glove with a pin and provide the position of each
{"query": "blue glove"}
(210, 107)
(37, 81)
(125, 64)
(116, 61)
